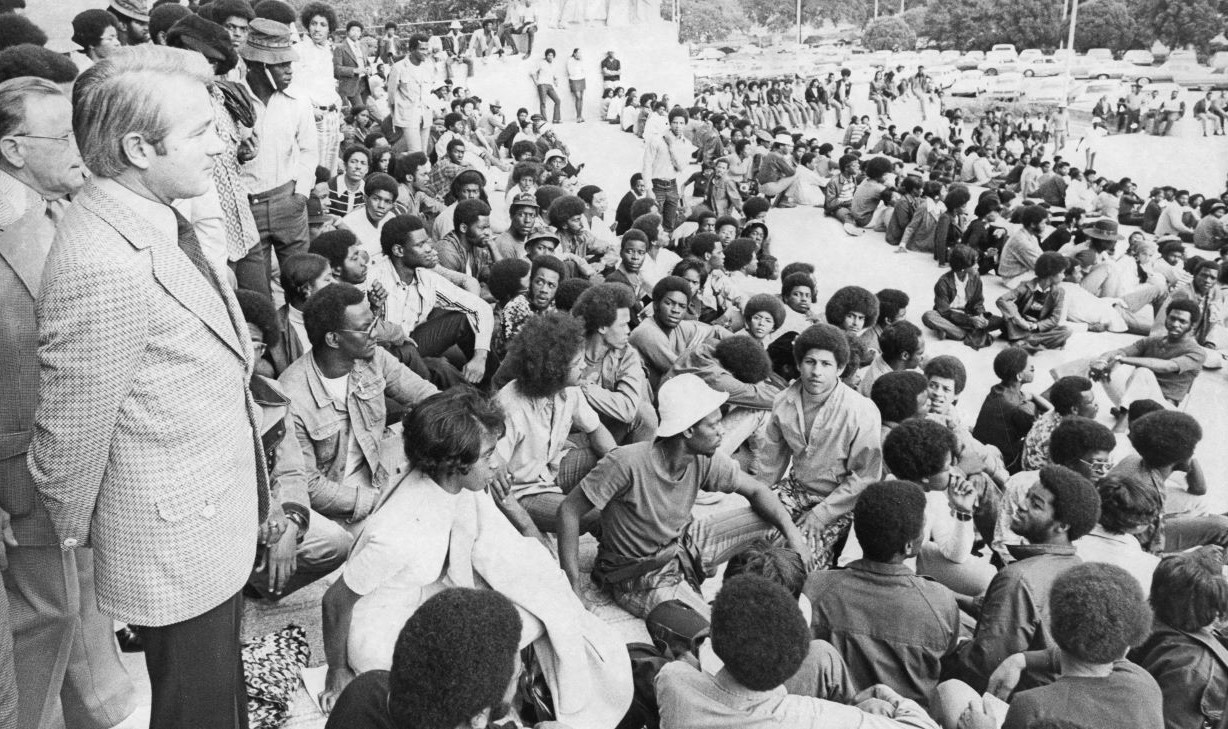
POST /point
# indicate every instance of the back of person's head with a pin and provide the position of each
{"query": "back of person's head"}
(739, 254)
(1009, 363)
(744, 358)
(29, 60)
(1126, 503)
(650, 225)
(1075, 437)
(16, 30)
(505, 278)
(896, 394)
(778, 564)
(599, 304)
(890, 303)
(298, 272)
(823, 337)
(898, 339)
(918, 448)
(755, 207)
(334, 245)
(1097, 612)
(887, 517)
(1139, 408)
(1075, 501)
(1165, 438)
(1067, 394)
(957, 197)
(703, 244)
(258, 310)
(568, 291)
(758, 632)
(543, 351)
(877, 167)
(1188, 589)
(947, 367)
(454, 659)
(443, 434)
(324, 311)
(1049, 264)
(962, 257)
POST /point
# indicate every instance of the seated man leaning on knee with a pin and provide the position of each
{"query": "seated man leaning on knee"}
(650, 549)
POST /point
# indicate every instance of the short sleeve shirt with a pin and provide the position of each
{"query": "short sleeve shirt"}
(643, 508)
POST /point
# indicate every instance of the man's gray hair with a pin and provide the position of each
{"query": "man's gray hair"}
(13, 94)
(128, 93)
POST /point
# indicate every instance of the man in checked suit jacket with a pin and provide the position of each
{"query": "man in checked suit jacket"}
(146, 439)
(63, 647)
(350, 65)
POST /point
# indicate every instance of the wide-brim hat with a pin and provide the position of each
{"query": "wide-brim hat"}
(268, 41)
(783, 139)
(1103, 229)
(134, 9)
(552, 154)
(454, 25)
(683, 401)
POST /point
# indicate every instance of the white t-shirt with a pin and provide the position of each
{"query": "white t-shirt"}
(300, 330)
(357, 472)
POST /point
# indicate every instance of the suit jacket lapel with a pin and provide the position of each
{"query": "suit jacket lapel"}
(24, 247)
(172, 268)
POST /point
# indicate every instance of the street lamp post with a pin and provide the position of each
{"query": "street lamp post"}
(1070, 49)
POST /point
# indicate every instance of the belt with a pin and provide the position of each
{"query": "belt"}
(330, 107)
(268, 195)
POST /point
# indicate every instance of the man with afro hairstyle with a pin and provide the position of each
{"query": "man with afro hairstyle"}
(1032, 311)
(1080, 444)
(902, 347)
(738, 366)
(924, 452)
(870, 189)
(665, 335)
(1097, 612)
(959, 302)
(1061, 507)
(1127, 506)
(1164, 442)
(545, 275)
(826, 438)
(855, 310)
(614, 381)
(314, 76)
(760, 635)
(890, 625)
(900, 396)
(1008, 412)
(27, 59)
(455, 664)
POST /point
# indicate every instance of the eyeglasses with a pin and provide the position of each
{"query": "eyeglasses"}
(69, 138)
(369, 331)
(1099, 467)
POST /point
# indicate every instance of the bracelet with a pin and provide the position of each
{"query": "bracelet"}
(961, 515)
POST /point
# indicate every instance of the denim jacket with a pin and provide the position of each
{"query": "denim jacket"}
(323, 426)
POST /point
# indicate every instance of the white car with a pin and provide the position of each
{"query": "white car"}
(1004, 86)
(949, 56)
(942, 76)
(1139, 57)
(1028, 55)
(1004, 49)
(1054, 90)
(1041, 67)
(1100, 54)
(969, 83)
(1112, 69)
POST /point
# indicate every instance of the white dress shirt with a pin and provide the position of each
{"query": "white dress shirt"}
(289, 147)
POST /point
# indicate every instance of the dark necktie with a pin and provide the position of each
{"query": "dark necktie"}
(191, 247)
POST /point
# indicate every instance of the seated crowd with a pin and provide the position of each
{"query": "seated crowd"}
(261, 356)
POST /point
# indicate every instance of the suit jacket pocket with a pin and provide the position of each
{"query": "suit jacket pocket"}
(177, 506)
(16, 485)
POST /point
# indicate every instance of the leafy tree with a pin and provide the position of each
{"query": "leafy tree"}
(1103, 24)
(889, 33)
(767, 13)
(1026, 23)
(705, 20)
(1178, 23)
(915, 18)
(958, 24)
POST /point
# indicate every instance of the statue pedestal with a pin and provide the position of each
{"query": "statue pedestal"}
(652, 60)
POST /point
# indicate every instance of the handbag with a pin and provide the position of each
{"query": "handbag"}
(271, 667)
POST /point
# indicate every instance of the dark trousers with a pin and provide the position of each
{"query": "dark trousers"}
(546, 91)
(666, 193)
(577, 93)
(281, 219)
(434, 337)
(196, 671)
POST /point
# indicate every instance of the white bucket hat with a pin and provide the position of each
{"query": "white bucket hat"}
(684, 401)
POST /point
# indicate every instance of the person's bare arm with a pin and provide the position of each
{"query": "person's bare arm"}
(573, 508)
(766, 505)
(338, 608)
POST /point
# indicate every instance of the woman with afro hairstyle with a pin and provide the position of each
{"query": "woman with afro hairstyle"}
(823, 443)
(542, 406)
(314, 73)
(760, 635)
(614, 382)
(1184, 653)
(1032, 312)
(446, 523)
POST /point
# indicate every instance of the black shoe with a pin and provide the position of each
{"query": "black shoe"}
(129, 639)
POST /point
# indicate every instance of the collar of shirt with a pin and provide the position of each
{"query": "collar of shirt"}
(1023, 551)
(728, 683)
(880, 568)
(16, 197)
(160, 216)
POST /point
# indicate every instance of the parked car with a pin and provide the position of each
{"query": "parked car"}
(1079, 65)
(942, 76)
(1180, 72)
(995, 66)
(1030, 54)
(1219, 60)
(1100, 54)
(1182, 57)
(969, 60)
(929, 57)
(969, 83)
(1139, 57)
(1004, 87)
(1042, 67)
(1006, 49)
(949, 56)
(1112, 69)
(1054, 90)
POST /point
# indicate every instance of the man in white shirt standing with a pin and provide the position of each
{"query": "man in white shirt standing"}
(409, 86)
(314, 73)
(546, 79)
(665, 157)
(282, 173)
(575, 82)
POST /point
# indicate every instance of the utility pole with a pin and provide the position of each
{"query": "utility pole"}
(799, 22)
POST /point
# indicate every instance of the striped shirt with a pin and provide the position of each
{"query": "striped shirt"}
(341, 200)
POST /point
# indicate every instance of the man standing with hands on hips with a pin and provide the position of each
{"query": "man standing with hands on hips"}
(409, 86)
(145, 444)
